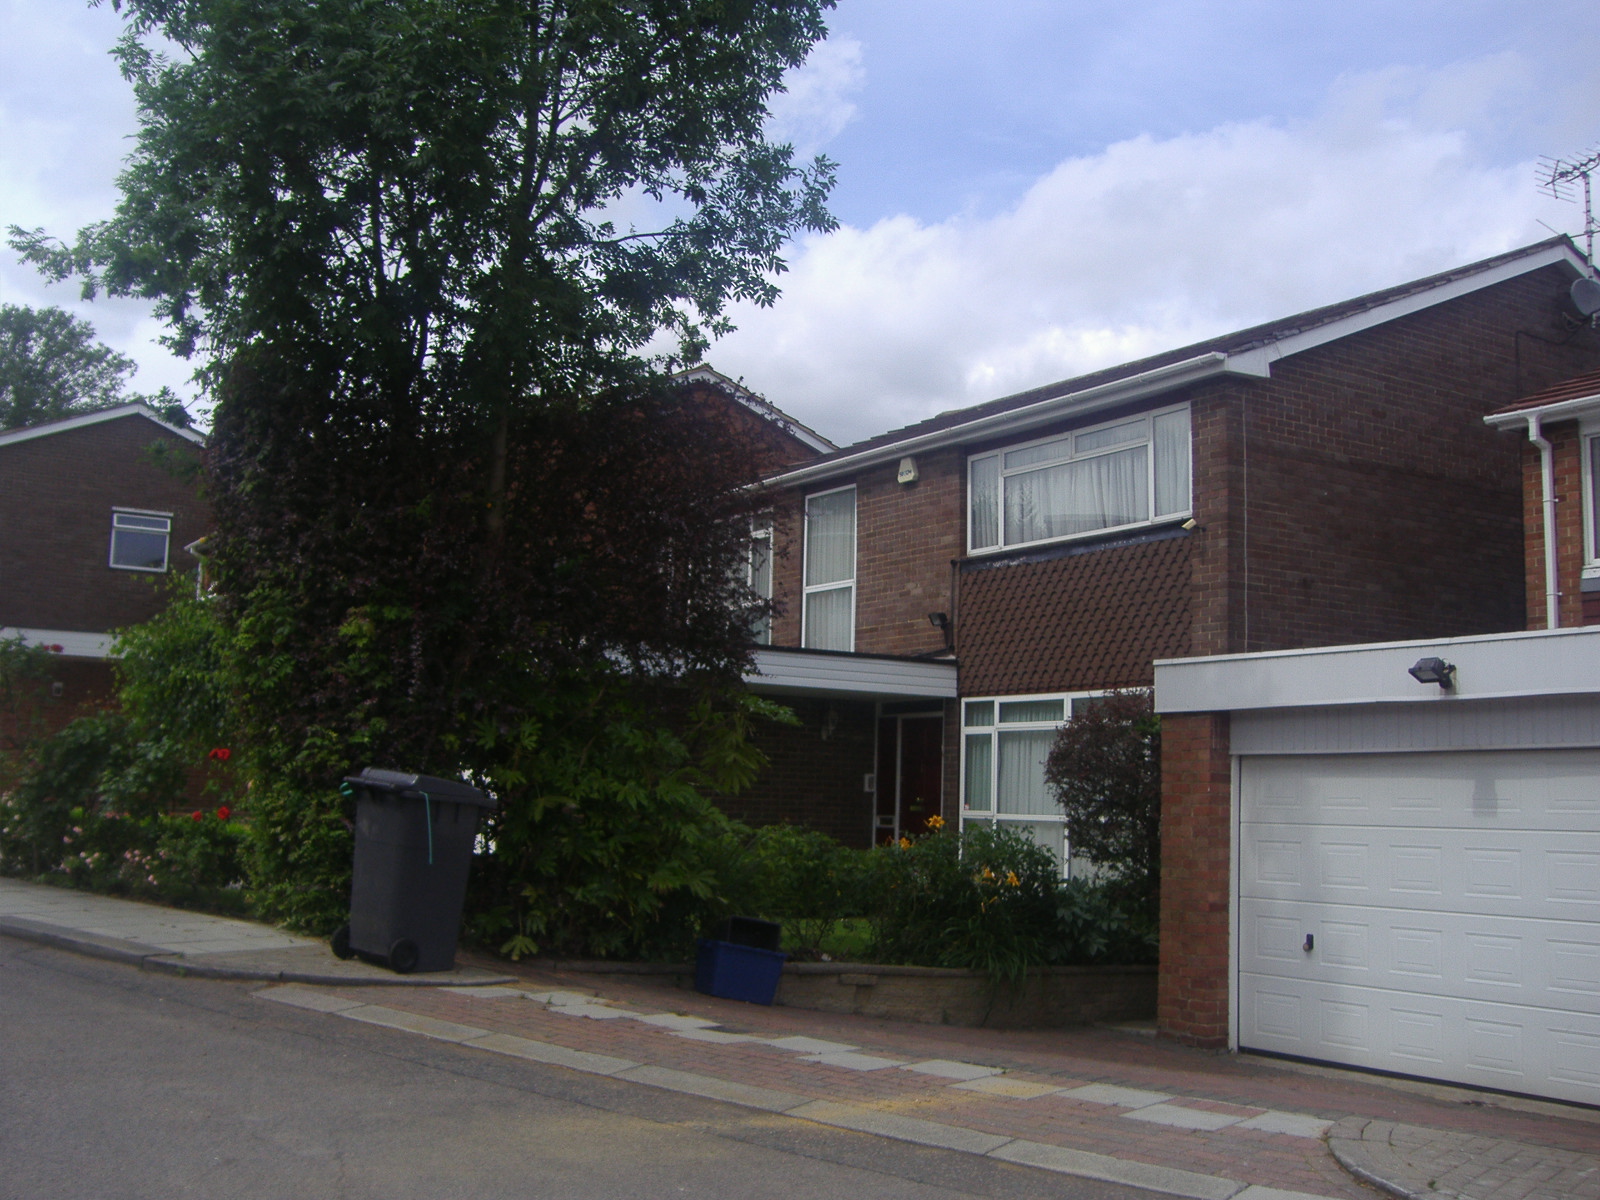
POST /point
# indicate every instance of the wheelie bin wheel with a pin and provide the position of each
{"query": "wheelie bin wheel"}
(340, 943)
(403, 957)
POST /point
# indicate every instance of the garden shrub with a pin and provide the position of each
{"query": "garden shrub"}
(1105, 768)
(804, 879)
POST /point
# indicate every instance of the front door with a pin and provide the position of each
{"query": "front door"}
(921, 774)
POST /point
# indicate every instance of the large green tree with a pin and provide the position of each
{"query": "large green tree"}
(433, 257)
(52, 366)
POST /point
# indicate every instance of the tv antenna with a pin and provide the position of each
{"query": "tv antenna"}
(1560, 177)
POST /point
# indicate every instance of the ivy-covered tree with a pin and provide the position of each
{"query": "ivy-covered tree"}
(52, 366)
(433, 257)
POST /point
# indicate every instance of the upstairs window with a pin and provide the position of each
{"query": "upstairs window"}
(829, 618)
(139, 539)
(1118, 475)
(1591, 503)
(758, 576)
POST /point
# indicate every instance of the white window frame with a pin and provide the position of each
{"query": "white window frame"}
(992, 815)
(1588, 435)
(808, 589)
(760, 536)
(999, 455)
(148, 514)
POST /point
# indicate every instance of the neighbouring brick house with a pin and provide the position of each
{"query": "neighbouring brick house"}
(948, 592)
(95, 515)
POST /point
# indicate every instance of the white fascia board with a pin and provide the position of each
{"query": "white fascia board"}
(1557, 410)
(95, 418)
(1540, 662)
(801, 672)
(73, 643)
(1042, 412)
(1298, 343)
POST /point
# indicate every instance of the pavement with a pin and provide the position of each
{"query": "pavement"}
(1112, 1104)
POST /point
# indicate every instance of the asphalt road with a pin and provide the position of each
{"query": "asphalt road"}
(119, 1084)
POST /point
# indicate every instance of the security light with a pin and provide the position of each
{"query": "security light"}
(1434, 670)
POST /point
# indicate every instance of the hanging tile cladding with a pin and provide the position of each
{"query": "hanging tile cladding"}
(1090, 619)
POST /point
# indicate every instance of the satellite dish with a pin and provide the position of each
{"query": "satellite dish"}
(1585, 296)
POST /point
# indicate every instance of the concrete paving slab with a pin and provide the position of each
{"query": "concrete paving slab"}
(1015, 1089)
(560, 998)
(714, 1089)
(302, 997)
(1294, 1124)
(1257, 1191)
(1119, 1170)
(851, 1061)
(393, 1018)
(904, 1129)
(1180, 1117)
(550, 1053)
(1109, 1093)
(943, 1068)
(808, 1045)
(595, 1012)
(673, 1021)
(485, 993)
(717, 1037)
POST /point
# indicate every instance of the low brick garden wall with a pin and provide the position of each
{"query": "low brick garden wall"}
(1050, 998)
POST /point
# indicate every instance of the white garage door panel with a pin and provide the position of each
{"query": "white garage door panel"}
(1496, 960)
(1453, 870)
(1454, 905)
(1491, 1045)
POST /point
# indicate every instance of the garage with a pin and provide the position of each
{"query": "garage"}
(1381, 866)
(1431, 914)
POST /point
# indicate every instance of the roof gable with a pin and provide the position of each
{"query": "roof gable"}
(28, 433)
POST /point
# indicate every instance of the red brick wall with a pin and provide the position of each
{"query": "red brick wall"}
(56, 497)
(1196, 823)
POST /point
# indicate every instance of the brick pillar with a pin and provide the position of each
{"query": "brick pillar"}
(1196, 781)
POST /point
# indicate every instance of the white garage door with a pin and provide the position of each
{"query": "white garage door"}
(1452, 907)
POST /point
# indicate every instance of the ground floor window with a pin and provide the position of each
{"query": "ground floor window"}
(1004, 743)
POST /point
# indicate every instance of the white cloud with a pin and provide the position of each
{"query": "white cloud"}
(1147, 245)
(817, 104)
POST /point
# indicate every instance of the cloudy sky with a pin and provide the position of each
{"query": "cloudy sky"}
(1028, 189)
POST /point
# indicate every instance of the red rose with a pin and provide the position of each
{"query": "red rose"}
(197, 815)
(224, 813)
(55, 647)
(221, 754)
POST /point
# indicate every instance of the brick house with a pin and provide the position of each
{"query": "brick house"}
(947, 592)
(1388, 855)
(95, 515)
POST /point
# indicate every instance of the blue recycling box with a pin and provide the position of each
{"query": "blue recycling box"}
(737, 972)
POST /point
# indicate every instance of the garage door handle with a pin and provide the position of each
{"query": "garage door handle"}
(1310, 942)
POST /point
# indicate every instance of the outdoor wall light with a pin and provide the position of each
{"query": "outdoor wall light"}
(941, 622)
(1434, 670)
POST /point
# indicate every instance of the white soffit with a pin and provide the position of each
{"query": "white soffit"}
(1556, 662)
(74, 644)
(788, 672)
(1569, 409)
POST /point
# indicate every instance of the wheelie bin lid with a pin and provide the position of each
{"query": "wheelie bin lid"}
(418, 787)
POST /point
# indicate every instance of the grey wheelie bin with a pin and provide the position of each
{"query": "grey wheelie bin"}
(414, 839)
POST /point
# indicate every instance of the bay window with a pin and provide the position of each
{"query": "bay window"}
(1117, 475)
